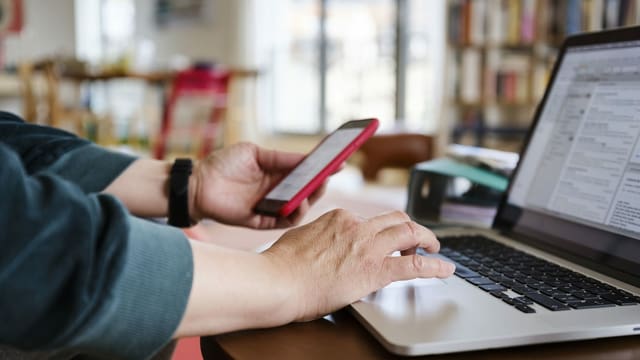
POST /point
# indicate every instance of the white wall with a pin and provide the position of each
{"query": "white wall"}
(225, 35)
(48, 30)
(212, 38)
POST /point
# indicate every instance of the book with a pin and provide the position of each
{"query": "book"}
(470, 75)
(501, 162)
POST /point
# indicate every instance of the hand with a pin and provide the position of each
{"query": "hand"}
(340, 258)
(228, 183)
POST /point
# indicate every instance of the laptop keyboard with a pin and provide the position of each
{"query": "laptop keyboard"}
(497, 268)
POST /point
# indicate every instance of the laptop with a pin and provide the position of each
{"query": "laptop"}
(561, 261)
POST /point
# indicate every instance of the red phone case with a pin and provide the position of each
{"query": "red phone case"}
(331, 167)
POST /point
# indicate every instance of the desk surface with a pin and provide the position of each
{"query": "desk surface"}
(340, 336)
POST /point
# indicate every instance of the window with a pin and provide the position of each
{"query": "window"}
(346, 59)
(104, 29)
(106, 37)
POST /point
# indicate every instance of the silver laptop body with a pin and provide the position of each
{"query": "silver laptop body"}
(574, 201)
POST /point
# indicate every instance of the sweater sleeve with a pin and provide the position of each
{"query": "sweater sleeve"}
(43, 148)
(90, 167)
(78, 272)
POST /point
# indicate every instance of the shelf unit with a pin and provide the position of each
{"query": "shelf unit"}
(500, 54)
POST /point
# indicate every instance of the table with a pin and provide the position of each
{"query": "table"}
(158, 76)
(340, 335)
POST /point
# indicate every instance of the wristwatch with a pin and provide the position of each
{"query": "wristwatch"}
(179, 193)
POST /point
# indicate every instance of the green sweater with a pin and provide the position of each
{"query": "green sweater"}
(77, 271)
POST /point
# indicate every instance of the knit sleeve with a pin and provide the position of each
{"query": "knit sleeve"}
(78, 272)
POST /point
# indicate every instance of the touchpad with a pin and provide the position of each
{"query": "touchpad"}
(418, 283)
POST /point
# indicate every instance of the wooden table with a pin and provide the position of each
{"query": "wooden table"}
(340, 335)
(161, 76)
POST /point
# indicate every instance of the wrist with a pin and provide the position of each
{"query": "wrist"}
(150, 175)
(285, 289)
(194, 191)
(257, 295)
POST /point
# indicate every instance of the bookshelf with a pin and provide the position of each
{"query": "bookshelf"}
(500, 54)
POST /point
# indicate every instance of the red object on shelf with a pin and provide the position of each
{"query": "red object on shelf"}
(196, 81)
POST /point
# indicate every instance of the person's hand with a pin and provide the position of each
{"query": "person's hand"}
(228, 183)
(340, 258)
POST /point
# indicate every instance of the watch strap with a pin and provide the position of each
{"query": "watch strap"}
(179, 193)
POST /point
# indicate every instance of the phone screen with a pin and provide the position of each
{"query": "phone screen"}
(311, 166)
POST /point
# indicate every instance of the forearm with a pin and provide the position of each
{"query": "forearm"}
(142, 187)
(234, 290)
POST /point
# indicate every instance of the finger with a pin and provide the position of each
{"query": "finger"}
(406, 235)
(317, 194)
(262, 222)
(283, 223)
(383, 221)
(339, 168)
(273, 160)
(416, 266)
(296, 216)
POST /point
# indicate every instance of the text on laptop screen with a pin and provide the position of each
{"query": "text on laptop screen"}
(577, 187)
(583, 160)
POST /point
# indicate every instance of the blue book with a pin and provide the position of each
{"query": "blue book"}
(574, 17)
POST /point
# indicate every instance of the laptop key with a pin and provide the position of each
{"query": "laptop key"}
(620, 300)
(464, 272)
(547, 302)
(480, 281)
(525, 300)
(499, 294)
(554, 293)
(525, 309)
(521, 289)
(540, 287)
(509, 301)
(590, 304)
(584, 294)
(566, 298)
(504, 281)
(493, 287)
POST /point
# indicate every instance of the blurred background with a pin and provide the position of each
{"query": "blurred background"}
(174, 77)
(167, 78)
(296, 67)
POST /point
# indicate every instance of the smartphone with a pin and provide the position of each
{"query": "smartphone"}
(313, 170)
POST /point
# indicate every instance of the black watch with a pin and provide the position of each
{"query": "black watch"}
(179, 193)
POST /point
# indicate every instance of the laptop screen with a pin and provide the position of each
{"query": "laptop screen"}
(577, 187)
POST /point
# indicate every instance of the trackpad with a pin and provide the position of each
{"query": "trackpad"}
(412, 299)
(417, 283)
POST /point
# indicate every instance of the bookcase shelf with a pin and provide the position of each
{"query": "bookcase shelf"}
(499, 58)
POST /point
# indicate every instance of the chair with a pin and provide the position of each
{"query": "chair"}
(42, 102)
(200, 80)
(394, 151)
